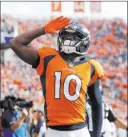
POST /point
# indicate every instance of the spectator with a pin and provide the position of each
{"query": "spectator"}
(40, 127)
(12, 123)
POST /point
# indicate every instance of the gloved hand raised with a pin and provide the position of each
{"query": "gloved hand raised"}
(56, 24)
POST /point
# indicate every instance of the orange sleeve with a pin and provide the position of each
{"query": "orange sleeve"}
(99, 73)
(43, 52)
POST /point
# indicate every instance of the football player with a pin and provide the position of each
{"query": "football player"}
(65, 75)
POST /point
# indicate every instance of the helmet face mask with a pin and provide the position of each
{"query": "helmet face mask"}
(68, 39)
(74, 38)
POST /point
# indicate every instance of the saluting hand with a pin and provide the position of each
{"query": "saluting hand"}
(56, 24)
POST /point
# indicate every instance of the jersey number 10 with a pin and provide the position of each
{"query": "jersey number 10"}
(66, 86)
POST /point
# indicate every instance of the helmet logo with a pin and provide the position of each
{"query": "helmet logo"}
(66, 42)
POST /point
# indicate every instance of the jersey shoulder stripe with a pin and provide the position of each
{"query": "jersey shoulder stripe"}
(44, 52)
(98, 71)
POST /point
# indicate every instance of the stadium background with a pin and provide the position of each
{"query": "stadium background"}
(108, 27)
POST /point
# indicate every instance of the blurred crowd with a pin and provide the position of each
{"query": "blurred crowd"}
(108, 46)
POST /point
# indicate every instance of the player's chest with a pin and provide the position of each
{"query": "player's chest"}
(58, 67)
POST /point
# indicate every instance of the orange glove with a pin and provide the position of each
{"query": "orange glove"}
(56, 24)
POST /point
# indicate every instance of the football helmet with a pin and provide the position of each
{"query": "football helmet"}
(74, 38)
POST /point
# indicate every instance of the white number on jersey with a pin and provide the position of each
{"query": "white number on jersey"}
(66, 86)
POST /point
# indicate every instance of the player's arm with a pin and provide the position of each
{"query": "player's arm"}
(96, 100)
(120, 124)
(113, 118)
(20, 44)
(4, 46)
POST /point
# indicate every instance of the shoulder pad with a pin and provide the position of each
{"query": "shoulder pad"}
(98, 68)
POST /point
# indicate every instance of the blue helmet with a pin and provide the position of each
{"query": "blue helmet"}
(74, 38)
